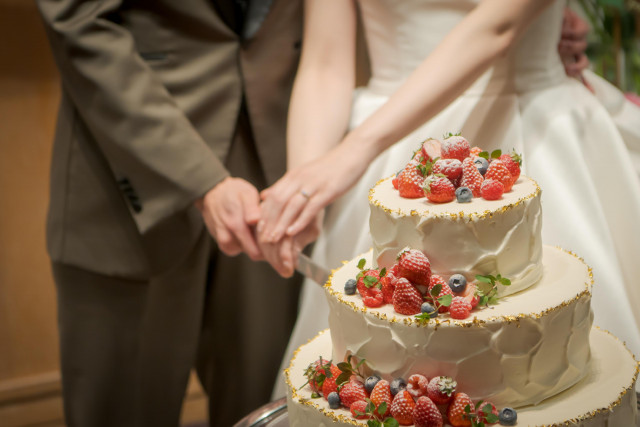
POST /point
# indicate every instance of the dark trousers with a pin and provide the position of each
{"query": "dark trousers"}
(127, 346)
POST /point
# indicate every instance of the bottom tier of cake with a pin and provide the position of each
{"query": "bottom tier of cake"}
(604, 397)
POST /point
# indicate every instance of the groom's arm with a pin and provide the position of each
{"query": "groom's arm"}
(141, 131)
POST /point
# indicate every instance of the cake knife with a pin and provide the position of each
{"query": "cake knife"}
(311, 270)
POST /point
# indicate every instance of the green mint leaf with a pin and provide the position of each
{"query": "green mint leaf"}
(391, 422)
(343, 378)
(382, 408)
(505, 281)
(435, 291)
(345, 366)
(496, 153)
(315, 395)
(484, 279)
(383, 272)
(492, 418)
(445, 300)
(370, 407)
(361, 263)
(484, 155)
(467, 409)
(373, 423)
(369, 281)
(493, 300)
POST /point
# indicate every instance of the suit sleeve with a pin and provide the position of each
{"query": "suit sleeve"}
(142, 133)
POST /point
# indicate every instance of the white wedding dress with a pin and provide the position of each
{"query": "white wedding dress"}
(569, 142)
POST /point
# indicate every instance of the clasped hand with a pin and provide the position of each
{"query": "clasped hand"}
(231, 211)
(278, 223)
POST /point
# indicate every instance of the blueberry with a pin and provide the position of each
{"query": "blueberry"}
(463, 194)
(350, 287)
(334, 400)
(371, 382)
(397, 385)
(458, 283)
(482, 164)
(428, 309)
(508, 417)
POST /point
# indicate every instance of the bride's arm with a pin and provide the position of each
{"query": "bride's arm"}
(318, 115)
(321, 99)
(320, 104)
(485, 34)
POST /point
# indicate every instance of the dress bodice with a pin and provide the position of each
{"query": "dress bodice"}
(401, 33)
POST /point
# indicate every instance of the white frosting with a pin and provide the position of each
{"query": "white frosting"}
(480, 237)
(529, 346)
(603, 398)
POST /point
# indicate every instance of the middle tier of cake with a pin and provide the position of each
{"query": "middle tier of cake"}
(479, 237)
(528, 347)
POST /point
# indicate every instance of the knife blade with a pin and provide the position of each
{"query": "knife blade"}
(312, 270)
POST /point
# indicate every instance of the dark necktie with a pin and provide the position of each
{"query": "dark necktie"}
(233, 13)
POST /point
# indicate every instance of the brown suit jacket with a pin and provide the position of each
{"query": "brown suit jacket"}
(151, 94)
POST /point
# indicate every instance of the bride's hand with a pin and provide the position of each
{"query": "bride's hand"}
(291, 204)
(283, 255)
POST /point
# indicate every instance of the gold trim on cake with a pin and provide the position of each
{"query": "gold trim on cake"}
(454, 215)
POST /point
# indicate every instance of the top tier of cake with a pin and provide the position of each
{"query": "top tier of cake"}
(481, 237)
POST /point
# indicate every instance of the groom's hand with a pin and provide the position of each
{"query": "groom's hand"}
(230, 211)
(283, 255)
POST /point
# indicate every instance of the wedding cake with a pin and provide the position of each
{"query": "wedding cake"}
(458, 289)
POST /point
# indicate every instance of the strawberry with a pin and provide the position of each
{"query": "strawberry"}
(382, 393)
(417, 385)
(512, 161)
(329, 383)
(456, 413)
(419, 157)
(498, 171)
(414, 265)
(470, 294)
(431, 149)
(359, 410)
(426, 413)
(394, 181)
(471, 177)
(388, 286)
(351, 392)
(406, 298)
(451, 168)
(440, 389)
(367, 279)
(491, 189)
(373, 297)
(402, 408)
(455, 147)
(444, 290)
(317, 372)
(410, 180)
(439, 189)
(484, 409)
(475, 151)
(460, 308)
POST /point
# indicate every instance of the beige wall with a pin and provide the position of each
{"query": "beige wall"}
(29, 92)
